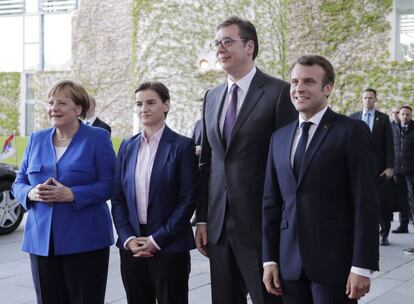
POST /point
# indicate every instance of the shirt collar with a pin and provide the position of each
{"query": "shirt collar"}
(156, 137)
(315, 119)
(90, 120)
(372, 111)
(243, 83)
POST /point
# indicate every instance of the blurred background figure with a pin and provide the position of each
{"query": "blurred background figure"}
(381, 134)
(156, 173)
(92, 120)
(404, 163)
(198, 127)
(64, 181)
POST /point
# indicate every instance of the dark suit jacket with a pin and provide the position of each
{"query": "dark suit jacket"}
(171, 202)
(198, 126)
(382, 138)
(327, 221)
(236, 173)
(100, 124)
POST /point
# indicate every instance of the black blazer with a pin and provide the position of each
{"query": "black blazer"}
(327, 220)
(235, 175)
(382, 138)
(100, 124)
(197, 132)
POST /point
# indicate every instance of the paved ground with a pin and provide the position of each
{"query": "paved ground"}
(393, 285)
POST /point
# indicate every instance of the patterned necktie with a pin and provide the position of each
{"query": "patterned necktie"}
(231, 114)
(301, 148)
(403, 130)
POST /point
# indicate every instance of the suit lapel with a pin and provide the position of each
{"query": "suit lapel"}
(318, 137)
(253, 95)
(131, 157)
(160, 159)
(219, 97)
(375, 122)
(287, 149)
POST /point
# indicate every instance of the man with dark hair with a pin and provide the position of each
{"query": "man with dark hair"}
(404, 163)
(238, 119)
(92, 120)
(381, 132)
(320, 204)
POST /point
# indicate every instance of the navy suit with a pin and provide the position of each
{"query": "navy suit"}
(327, 220)
(170, 206)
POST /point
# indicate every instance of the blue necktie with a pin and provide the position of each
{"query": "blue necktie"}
(301, 148)
(231, 114)
(368, 119)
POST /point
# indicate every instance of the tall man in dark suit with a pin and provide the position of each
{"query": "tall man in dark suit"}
(404, 164)
(320, 204)
(93, 120)
(381, 132)
(238, 119)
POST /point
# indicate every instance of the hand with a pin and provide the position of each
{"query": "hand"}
(33, 194)
(271, 280)
(389, 172)
(52, 191)
(133, 245)
(201, 238)
(357, 286)
(146, 248)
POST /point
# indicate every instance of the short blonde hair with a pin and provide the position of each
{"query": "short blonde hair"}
(74, 91)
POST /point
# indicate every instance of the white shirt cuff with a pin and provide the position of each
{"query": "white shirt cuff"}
(269, 263)
(362, 271)
(154, 243)
(127, 240)
(201, 223)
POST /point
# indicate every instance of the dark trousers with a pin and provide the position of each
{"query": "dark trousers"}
(304, 291)
(78, 278)
(163, 277)
(236, 269)
(409, 180)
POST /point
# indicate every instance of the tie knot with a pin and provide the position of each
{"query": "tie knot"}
(234, 87)
(305, 126)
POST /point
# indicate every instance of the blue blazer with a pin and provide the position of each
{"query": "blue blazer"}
(87, 168)
(327, 220)
(170, 204)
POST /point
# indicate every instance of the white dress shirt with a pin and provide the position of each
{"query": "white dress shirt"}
(90, 121)
(315, 119)
(145, 162)
(243, 85)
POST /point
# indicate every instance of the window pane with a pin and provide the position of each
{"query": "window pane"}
(31, 57)
(11, 44)
(31, 29)
(58, 41)
(32, 6)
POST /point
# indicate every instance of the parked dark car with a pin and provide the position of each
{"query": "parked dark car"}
(11, 212)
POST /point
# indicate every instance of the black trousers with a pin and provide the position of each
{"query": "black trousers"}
(236, 270)
(304, 291)
(78, 278)
(163, 277)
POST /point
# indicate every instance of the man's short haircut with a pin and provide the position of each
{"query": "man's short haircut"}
(158, 87)
(73, 90)
(406, 107)
(324, 63)
(247, 31)
(371, 90)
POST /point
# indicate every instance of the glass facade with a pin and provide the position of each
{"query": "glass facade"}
(404, 42)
